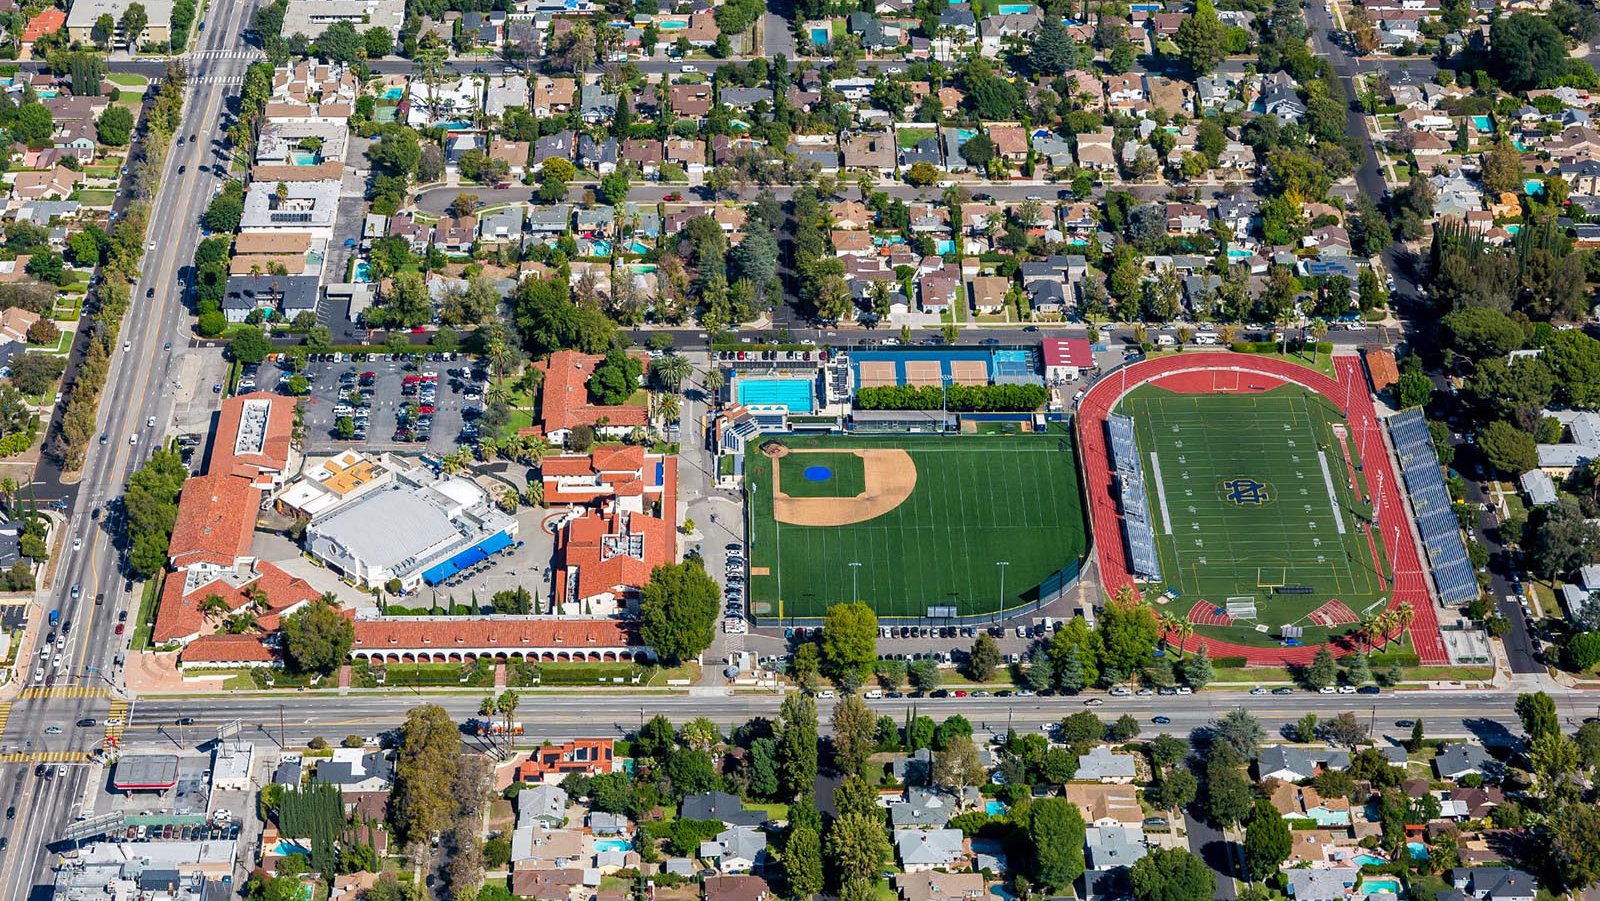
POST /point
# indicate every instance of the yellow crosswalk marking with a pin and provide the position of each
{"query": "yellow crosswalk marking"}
(118, 718)
(64, 691)
(5, 714)
(45, 757)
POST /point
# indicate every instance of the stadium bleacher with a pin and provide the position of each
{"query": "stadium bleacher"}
(1137, 529)
(1430, 500)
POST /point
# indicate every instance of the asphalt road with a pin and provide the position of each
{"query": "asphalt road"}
(137, 403)
(1487, 715)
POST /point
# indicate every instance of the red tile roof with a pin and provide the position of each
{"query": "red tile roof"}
(274, 455)
(179, 615)
(615, 471)
(216, 518)
(227, 649)
(581, 547)
(564, 396)
(456, 634)
(48, 21)
(590, 756)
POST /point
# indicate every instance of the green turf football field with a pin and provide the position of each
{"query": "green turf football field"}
(846, 476)
(1248, 492)
(978, 500)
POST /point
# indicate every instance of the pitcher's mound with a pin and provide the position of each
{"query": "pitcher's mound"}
(890, 476)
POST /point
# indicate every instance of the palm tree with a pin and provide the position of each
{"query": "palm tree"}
(1185, 632)
(533, 495)
(667, 407)
(213, 605)
(487, 706)
(8, 491)
(714, 379)
(1404, 615)
(506, 705)
(671, 370)
(241, 622)
(1319, 330)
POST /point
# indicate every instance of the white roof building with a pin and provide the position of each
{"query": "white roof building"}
(312, 17)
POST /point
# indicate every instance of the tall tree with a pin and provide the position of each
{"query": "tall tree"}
(802, 862)
(317, 637)
(855, 734)
(678, 610)
(1538, 714)
(856, 847)
(1172, 874)
(1267, 842)
(426, 761)
(1201, 39)
(1055, 834)
(849, 643)
(797, 745)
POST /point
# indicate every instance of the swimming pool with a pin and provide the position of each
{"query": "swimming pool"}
(1014, 9)
(393, 93)
(457, 126)
(672, 25)
(363, 272)
(304, 158)
(1368, 860)
(796, 394)
(1380, 886)
(1533, 187)
(1417, 850)
(994, 808)
(613, 844)
(1483, 124)
(820, 37)
(1239, 253)
(637, 247)
(285, 847)
(602, 247)
(943, 246)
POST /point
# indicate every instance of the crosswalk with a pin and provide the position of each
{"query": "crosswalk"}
(226, 54)
(62, 691)
(5, 714)
(117, 720)
(218, 79)
(45, 757)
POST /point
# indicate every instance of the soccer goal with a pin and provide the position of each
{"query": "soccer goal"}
(1242, 608)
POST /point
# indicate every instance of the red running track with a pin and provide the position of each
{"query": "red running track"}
(1348, 393)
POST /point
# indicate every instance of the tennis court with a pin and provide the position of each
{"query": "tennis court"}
(1260, 510)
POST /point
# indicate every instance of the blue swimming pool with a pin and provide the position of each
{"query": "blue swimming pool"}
(1533, 187)
(393, 93)
(1368, 860)
(638, 247)
(602, 247)
(994, 808)
(1380, 886)
(613, 844)
(1417, 850)
(363, 271)
(305, 158)
(672, 25)
(797, 394)
(1014, 9)
(284, 848)
(1483, 124)
(820, 37)
(1239, 253)
(943, 246)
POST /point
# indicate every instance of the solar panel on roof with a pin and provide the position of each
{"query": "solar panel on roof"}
(1453, 575)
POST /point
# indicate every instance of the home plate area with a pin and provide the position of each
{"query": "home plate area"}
(1334, 613)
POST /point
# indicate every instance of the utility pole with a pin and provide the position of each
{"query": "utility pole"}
(1001, 605)
(281, 744)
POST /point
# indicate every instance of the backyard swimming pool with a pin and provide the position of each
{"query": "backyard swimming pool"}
(363, 271)
(672, 25)
(798, 395)
(1380, 886)
(994, 808)
(820, 37)
(1483, 124)
(393, 93)
(285, 847)
(304, 158)
(612, 844)
(1368, 860)
(1417, 850)
(1533, 187)
(1014, 9)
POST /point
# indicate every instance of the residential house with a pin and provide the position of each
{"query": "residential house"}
(583, 756)
(872, 151)
(1101, 764)
(552, 96)
(922, 808)
(1459, 759)
(553, 146)
(1055, 150)
(644, 154)
(543, 804)
(1187, 219)
(736, 888)
(595, 105)
(1096, 150)
(513, 153)
(931, 885)
(455, 235)
(1291, 763)
(921, 850)
(1010, 142)
(989, 293)
(1106, 804)
(1112, 847)
(1323, 884)
(738, 849)
(1281, 98)
(720, 806)
(1490, 884)
(501, 227)
(599, 157)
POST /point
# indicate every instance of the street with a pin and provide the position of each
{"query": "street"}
(140, 389)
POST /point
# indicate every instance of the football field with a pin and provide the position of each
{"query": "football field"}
(1260, 511)
(908, 523)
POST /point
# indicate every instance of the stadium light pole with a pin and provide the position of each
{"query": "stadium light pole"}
(855, 586)
(1000, 605)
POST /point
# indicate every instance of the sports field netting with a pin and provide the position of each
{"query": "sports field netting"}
(1251, 497)
(978, 500)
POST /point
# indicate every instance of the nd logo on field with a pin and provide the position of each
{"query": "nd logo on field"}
(1245, 492)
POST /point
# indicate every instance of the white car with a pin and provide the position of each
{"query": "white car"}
(1327, 690)
(77, 543)
(825, 693)
(687, 68)
(1347, 689)
(874, 694)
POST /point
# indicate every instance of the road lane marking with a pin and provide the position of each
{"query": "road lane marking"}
(64, 691)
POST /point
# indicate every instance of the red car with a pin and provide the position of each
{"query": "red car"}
(673, 196)
(959, 693)
(425, 409)
(120, 628)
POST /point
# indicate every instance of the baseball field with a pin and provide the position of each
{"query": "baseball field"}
(909, 523)
(1260, 508)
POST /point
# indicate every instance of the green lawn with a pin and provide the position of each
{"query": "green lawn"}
(145, 621)
(112, 172)
(822, 475)
(978, 501)
(91, 197)
(909, 137)
(1250, 499)
(128, 80)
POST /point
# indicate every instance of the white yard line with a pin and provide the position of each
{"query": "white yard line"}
(1161, 494)
(1333, 499)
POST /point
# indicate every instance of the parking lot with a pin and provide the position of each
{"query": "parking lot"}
(413, 404)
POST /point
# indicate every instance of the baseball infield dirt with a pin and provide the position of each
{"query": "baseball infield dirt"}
(891, 476)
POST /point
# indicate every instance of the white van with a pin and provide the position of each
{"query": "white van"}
(1206, 338)
(1165, 341)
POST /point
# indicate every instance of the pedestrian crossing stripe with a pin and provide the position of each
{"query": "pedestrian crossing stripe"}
(5, 714)
(226, 54)
(218, 79)
(120, 711)
(45, 757)
(64, 691)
